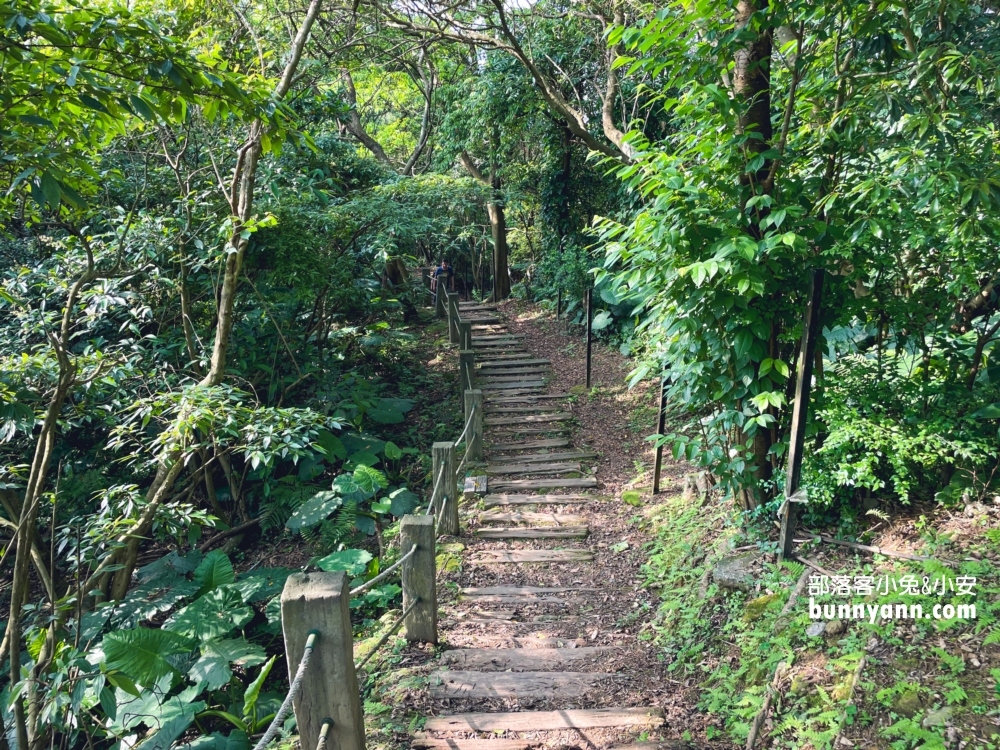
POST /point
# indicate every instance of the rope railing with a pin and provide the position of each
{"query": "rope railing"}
(468, 426)
(385, 636)
(384, 574)
(293, 690)
(465, 459)
(437, 483)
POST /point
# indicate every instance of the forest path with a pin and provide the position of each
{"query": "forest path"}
(543, 621)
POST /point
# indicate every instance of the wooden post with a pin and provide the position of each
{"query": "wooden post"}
(797, 431)
(558, 304)
(453, 318)
(419, 578)
(319, 602)
(466, 369)
(446, 496)
(661, 424)
(590, 332)
(464, 334)
(474, 402)
(425, 277)
(440, 295)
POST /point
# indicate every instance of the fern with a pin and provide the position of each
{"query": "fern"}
(992, 637)
(338, 529)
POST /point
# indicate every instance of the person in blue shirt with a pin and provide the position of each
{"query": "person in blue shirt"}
(444, 269)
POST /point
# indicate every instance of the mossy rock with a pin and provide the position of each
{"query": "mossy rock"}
(908, 704)
(756, 607)
(454, 548)
(578, 390)
(632, 497)
(448, 563)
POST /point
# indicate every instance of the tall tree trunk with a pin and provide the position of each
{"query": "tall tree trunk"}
(241, 204)
(498, 225)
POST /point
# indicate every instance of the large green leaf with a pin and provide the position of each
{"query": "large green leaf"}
(314, 510)
(145, 655)
(396, 404)
(354, 443)
(402, 502)
(236, 740)
(212, 670)
(370, 480)
(988, 412)
(331, 444)
(385, 416)
(252, 693)
(354, 561)
(261, 584)
(212, 615)
(214, 571)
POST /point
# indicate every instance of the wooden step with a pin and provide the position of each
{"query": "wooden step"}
(488, 336)
(517, 386)
(463, 684)
(560, 416)
(499, 556)
(541, 484)
(556, 519)
(564, 467)
(547, 721)
(552, 429)
(493, 501)
(537, 409)
(430, 743)
(512, 378)
(529, 445)
(492, 372)
(530, 399)
(520, 362)
(519, 659)
(527, 592)
(540, 458)
(568, 532)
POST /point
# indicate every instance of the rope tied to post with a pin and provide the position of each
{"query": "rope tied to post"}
(437, 483)
(384, 574)
(293, 690)
(468, 426)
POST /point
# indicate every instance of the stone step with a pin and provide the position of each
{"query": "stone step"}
(555, 519)
(567, 532)
(492, 501)
(560, 416)
(500, 556)
(512, 361)
(564, 467)
(536, 409)
(541, 484)
(520, 659)
(430, 743)
(528, 399)
(541, 458)
(547, 721)
(529, 445)
(460, 684)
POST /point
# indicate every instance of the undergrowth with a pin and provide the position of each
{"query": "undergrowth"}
(919, 686)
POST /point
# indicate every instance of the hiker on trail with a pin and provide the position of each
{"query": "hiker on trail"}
(444, 269)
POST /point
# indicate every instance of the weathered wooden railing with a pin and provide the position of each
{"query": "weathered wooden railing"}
(315, 606)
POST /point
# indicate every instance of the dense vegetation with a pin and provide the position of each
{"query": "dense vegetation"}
(212, 215)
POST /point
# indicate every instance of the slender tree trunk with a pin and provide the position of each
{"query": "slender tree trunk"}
(498, 225)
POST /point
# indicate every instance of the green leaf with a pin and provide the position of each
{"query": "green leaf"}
(212, 668)
(214, 571)
(392, 451)
(260, 584)
(318, 508)
(143, 654)
(601, 321)
(331, 444)
(50, 189)
(402, 502)
(396, 404)
(370, 480)
(354, 561)
(988, 412)
(385, 416)
(252, 692)
(213, 615)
